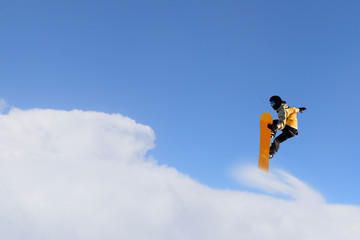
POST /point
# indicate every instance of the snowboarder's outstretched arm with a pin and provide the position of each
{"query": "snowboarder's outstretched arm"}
(301, 109)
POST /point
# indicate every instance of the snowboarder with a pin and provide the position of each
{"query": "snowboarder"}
(287, 123)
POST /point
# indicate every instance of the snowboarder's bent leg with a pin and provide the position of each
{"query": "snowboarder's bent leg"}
(287, 133)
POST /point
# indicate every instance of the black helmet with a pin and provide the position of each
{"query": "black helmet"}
(275, 102)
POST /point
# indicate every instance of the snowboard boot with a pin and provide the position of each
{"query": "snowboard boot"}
(271, 153)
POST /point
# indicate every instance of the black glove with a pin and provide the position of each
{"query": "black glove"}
(272, 127)
(302, 109)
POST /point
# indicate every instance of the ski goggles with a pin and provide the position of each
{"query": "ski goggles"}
(272, 103)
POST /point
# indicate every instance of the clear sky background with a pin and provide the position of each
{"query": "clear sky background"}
(200, 74)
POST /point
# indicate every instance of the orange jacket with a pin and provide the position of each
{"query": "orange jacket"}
(287, 116)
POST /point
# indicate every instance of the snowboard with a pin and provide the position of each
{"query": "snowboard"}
(265, 137)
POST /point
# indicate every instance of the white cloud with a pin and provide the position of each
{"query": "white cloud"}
(85, 175)
(277, 182)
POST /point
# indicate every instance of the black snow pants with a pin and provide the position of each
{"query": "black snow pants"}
(287, 132)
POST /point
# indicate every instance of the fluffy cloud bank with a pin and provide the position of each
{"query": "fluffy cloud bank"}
(85, 175)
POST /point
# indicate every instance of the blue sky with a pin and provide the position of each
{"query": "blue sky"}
(200, 74)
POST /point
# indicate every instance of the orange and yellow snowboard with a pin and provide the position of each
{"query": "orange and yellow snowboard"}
(265, 136)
